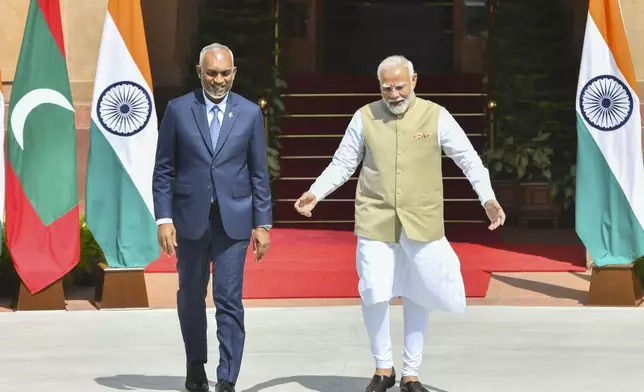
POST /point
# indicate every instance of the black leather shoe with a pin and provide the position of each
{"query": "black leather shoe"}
(196, 379)
(413, 386)
(382, 383)
(224, 386)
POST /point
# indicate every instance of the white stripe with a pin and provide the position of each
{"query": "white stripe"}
(136, 152)
(622, 147)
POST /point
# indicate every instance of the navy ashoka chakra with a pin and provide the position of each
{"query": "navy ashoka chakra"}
(606, 103)
(124, 108)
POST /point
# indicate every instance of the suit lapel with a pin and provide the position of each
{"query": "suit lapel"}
(199, 112)
(229, 120)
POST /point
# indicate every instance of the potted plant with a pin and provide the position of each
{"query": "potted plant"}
(533, 161)
(524, 169)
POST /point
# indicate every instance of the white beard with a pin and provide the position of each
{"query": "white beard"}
(402, 107)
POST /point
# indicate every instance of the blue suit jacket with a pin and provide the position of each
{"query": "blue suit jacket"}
(187, 168)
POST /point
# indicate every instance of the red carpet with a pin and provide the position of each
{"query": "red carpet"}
(321, 264)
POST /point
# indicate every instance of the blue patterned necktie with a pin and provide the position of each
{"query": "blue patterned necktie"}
(214, 136)
(214, 127)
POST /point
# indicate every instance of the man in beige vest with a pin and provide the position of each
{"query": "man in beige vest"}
(402, 250)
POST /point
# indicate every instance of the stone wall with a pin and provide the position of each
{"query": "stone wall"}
(170, 24)
(633, 13)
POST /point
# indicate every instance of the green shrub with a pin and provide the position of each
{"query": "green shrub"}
(639, 268)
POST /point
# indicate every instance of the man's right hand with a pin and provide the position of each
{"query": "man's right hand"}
(305, 204)
(167, 238)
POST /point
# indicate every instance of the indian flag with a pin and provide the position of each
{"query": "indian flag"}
(123, 139)
(610, 166)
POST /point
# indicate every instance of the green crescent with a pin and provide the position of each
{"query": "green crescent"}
(29, 102)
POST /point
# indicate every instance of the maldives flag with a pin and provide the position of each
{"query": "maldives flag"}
(42, 219)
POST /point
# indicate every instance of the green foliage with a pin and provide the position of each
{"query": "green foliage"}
(90, 252)
(247, 28)
(8, 275)
(639, 269)
(535, 88)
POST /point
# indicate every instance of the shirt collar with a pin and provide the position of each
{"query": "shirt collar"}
(210, 104)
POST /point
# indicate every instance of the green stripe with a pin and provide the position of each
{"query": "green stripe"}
(115, 213)
(605, 220)
(47, 166)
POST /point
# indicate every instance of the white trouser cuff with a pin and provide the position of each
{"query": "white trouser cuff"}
(376, 319)
(416, 319)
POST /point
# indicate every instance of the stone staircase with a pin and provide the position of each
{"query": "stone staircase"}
(319, 108)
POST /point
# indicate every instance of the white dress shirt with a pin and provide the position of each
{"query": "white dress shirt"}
(222, 109)
(210, 115)
(451, 138)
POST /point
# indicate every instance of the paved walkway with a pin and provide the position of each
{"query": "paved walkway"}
(325, 349)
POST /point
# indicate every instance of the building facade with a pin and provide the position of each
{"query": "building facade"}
(171, 27)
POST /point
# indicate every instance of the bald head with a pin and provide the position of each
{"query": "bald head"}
(216, 70)
(397, 82)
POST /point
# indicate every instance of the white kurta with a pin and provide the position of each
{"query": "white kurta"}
(427, 273)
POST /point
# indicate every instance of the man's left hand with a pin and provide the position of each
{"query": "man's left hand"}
(495, 213)
(261, 243)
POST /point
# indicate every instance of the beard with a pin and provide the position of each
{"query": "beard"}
(218, 94)
(401, 106)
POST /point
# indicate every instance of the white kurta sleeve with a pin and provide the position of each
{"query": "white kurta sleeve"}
(458, 147)
(345, 160)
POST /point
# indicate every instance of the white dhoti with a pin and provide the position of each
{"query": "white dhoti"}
(426, 275)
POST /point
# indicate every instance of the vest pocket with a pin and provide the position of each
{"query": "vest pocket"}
(429, 202)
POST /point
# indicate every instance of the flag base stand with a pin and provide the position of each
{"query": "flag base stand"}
(120, 288)
(51, 297)
(614, 285)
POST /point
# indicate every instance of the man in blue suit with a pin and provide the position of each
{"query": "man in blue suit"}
(211, 196)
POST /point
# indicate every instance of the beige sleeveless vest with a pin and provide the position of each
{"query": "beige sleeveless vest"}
(401, 182)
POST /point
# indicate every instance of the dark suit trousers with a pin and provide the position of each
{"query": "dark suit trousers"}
(193, 267)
